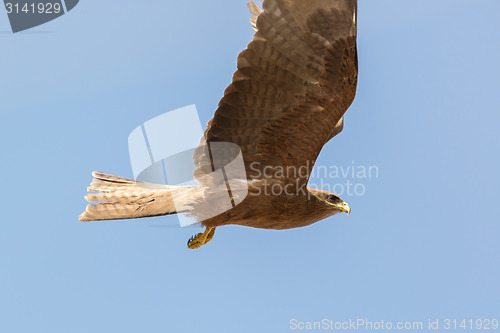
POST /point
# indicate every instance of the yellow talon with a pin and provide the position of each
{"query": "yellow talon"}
(201, 239)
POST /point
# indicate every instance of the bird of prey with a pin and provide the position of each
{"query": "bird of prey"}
(294, 82)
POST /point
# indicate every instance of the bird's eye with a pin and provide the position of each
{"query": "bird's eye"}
(332, 197)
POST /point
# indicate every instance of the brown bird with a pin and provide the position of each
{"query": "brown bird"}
(294, 82)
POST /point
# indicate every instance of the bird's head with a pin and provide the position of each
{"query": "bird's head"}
(332, 201)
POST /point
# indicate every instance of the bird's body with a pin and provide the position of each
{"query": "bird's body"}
(277, 212)
(293, 85)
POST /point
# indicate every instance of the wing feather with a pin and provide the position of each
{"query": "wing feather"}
(293, 85)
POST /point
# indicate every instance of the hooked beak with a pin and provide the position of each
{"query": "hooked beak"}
(344, 207)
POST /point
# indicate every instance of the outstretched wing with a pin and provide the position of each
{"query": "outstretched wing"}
(293, 85)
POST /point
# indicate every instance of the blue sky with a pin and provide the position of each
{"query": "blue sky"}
(421, 243)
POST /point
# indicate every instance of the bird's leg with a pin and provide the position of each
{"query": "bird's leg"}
(201, 239)
(210, 235)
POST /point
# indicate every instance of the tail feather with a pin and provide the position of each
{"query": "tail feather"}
(122, 198)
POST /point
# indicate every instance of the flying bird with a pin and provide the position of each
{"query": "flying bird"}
(287, 99)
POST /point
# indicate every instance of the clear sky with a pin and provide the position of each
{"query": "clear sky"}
(422, 242)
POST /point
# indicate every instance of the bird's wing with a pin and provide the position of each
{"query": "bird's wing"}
(255, 11)
(293, 85)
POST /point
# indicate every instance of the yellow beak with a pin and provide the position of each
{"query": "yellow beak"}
(344, 207)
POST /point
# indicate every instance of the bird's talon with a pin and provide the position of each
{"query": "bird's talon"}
(200, 239)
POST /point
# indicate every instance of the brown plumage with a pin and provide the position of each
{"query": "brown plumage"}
(294, 83)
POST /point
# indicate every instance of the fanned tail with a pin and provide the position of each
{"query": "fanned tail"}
(122, 198)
